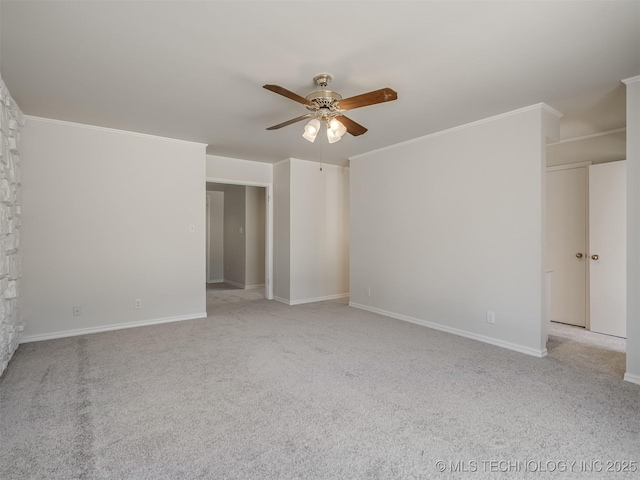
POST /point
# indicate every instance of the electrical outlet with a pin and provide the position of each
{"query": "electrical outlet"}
(227, 268)
(369, 292)
(491, 317)
(77, 311)
(137, 304)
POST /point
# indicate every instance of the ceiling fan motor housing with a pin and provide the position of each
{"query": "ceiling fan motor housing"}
(323, 99)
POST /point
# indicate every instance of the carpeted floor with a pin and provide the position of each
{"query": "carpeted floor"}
(260, 390)
(222, 293)
(578, 347)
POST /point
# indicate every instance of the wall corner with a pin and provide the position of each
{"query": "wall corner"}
(11, 323)
(550, 122)
(633, 229)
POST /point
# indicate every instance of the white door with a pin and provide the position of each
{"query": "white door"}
(608, 248)
(566, 244)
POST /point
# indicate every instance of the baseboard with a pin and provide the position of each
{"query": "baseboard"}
(455, 331)
(319, 299)
(240, 285)
(630, 377)
(218, 280)
(312, 300)
(281, 300)
(108, 328)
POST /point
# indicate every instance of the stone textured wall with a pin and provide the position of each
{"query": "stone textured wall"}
(11, 120)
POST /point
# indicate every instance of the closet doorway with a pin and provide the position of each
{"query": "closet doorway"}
(586, 245)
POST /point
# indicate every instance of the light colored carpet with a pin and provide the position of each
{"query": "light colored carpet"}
(581, 348)
(260, 390)
(220, 294)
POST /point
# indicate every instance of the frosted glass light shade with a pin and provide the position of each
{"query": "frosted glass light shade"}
(338, 128)
(332, 137)
(311, 130)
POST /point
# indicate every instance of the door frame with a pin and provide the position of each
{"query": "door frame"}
(208, 227)
(570, 166)
(268, 237)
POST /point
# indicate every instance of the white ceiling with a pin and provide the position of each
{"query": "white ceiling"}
(195, 70)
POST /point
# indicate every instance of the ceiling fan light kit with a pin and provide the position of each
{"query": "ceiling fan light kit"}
(328, 107)
(335, 130)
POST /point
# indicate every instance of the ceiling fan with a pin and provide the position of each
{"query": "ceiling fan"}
(327, 106)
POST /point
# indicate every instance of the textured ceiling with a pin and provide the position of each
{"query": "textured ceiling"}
(195, 70)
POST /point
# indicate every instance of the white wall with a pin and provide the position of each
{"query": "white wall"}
(633, 230)
(282, 230)
(107, 218)
(319, 231)
(216, 236)
(233, 170)
(234, 235)
(255, 236)
(312, 231)
(449, 226)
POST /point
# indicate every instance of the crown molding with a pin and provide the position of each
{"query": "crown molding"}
(631, 80)
(537, 106)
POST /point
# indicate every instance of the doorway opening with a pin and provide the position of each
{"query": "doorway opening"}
(586, 258)
(579, 347)
(237, 266)
(586, 245)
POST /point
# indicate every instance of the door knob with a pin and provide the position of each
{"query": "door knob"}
(579, 255)
(594, 257)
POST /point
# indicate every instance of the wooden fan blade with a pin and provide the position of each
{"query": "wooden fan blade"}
(289, 122)
(353, 128)
(371, 98)
(289, 94)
